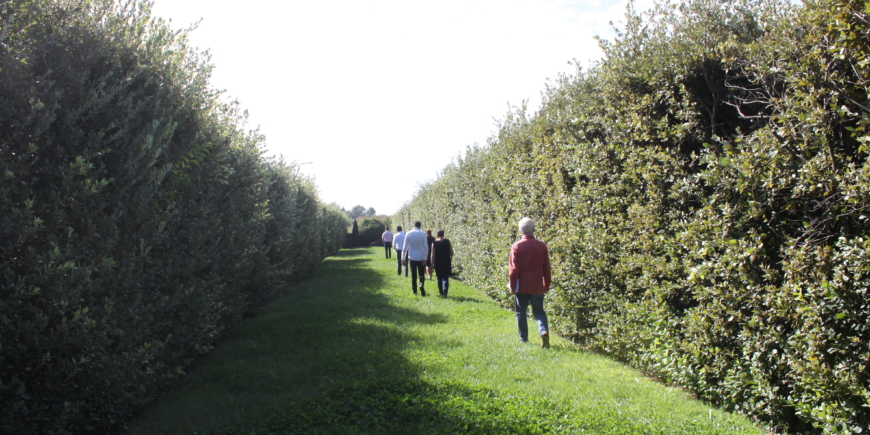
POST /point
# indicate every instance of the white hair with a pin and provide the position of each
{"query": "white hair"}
(527, 226)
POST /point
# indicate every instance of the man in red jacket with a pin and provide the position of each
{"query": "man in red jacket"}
(530, 280)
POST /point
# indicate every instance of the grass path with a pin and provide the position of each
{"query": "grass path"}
(351, 350)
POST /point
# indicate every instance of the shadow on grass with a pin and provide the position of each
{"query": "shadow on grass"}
(352, 376)
(465, 299)
(338, 328)
(330, 357)
(416, 407)
(353, 252)
(334, 329)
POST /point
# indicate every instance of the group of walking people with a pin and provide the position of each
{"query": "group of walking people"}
(422, 254)
(529, 275)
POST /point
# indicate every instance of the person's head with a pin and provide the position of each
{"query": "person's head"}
(399, 228)
(429, 233)
(440, 234)
(527, 226)
(417, 224)
(386, 228)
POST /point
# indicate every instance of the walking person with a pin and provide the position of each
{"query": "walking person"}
(398, 245)
(429, 241)
(442, 261)
(387, 238)
(530, 280)
(416, 251)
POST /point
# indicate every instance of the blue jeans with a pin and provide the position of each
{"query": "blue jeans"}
(443, 283)
(521, 305)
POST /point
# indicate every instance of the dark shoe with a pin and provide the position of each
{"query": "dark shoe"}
(422, 292)
(545, 340)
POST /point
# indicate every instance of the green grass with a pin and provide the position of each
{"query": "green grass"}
(352, 351)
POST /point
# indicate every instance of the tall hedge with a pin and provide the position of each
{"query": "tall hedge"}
(139, 220)
(704, 191)
(371, 229)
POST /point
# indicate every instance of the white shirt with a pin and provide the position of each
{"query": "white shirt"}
(399, 241)
(416, 246)
(387, 236)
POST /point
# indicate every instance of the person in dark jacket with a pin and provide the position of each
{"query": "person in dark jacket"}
(441, 256)
(430, 240)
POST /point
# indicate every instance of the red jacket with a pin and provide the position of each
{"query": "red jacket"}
(530, 266)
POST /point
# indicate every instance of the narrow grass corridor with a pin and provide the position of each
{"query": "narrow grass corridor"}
(351, 351)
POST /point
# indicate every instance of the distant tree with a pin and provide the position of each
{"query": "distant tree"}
(370, 212)
(355, 235)
(356, 212)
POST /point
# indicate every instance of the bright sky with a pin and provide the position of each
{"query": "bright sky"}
(377, 97)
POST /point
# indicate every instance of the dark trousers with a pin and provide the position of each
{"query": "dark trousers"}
(418, 268)
(399, 260)
(388, 248)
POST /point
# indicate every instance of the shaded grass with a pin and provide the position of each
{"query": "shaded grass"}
(351, 350)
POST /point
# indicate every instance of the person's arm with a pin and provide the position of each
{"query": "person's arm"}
(451, 249)
(513, 272)
(547, 272)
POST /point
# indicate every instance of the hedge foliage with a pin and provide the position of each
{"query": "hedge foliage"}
(139, 220)
(371, 229)
(704, 191)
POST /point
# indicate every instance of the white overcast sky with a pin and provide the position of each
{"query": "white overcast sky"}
(376, 97)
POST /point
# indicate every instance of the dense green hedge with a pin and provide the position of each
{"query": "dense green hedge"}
(139, 221)
(704, 191)
(371, 230)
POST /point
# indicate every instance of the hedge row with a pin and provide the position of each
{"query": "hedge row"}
(371, 229)
(139, 221)
(705, 191)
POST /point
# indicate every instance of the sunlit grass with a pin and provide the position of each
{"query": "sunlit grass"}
(351, 350)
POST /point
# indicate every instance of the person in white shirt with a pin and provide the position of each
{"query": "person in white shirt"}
(398, 244)
(416, 249)
(387, 238)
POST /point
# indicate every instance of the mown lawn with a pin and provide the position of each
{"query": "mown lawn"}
(352, 351)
